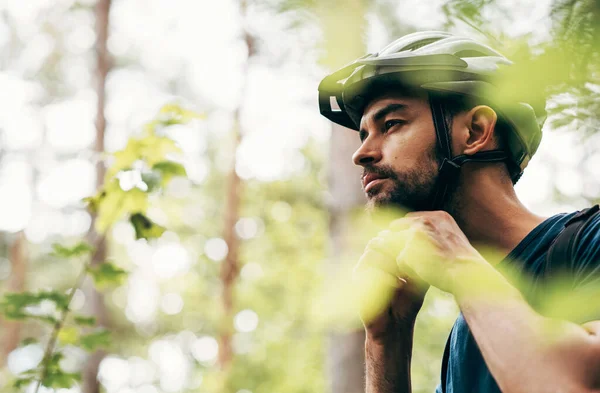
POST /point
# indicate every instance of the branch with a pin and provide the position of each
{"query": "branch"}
(58, 326)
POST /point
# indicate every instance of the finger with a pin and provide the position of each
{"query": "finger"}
(390, 242)
(376, 259)
(374, 277)
(418, 254)
(422, 214)
(403, 224)
(407, 274)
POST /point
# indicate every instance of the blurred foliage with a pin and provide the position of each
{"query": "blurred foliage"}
(49, 374)
(149, 153)
(283, 225)
(563, 64)
(145, 157)
(107, 274)
(339, 43)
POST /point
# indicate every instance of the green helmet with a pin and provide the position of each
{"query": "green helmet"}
(441, 64)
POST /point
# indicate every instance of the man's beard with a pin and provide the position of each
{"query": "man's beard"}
(411, 191)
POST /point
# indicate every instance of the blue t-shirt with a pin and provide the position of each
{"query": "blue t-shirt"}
(467, 371)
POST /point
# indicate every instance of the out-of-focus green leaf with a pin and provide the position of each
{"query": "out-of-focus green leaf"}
(145, 228)
(93, 341)
(125, 158)
(84, 321)
(107, 274)
(79, 249)
(55, 377)
(149, 149)
(93, 202)
(116, 203)
(153, 180)
(61, 380)
(180, 114)
(68, 335)
(29, 341)
(22, 382)
(168, 170)
(156, 148)
(13, 305)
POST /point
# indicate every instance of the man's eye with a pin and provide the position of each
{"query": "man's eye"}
(362, 135)
(390, 123)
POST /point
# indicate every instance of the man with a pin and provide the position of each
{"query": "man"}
(437, 141)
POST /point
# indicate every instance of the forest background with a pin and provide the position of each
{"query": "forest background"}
(176, 216)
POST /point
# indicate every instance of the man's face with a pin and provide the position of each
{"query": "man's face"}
(398, 152)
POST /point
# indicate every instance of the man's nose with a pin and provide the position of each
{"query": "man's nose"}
(367, 154)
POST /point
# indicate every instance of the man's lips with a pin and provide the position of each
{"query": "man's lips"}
(369, 178)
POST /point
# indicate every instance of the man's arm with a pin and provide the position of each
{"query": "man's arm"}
(524, 351)
(389, 329)
(388, 361)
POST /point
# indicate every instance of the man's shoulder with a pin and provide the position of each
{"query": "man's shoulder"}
(585, 239)
(588, 242)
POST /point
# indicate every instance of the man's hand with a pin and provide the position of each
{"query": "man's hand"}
(434, 248)
(390, 298)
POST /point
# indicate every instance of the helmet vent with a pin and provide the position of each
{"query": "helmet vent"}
(422, 43)
(335, 107)
(469, 53)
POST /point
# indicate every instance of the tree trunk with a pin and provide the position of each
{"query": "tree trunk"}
(18, 265)
(96, 300)
(230, 267)
(346, 352)
(344, 27)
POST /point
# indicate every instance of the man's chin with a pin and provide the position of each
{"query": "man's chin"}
(385, 201)
(379, 202)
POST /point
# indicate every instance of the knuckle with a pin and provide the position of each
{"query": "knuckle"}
(428, 223)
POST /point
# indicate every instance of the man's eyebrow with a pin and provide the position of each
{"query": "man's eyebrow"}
(386, 110)
(383, 112)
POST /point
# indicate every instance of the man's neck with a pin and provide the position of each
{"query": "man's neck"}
(490, 214)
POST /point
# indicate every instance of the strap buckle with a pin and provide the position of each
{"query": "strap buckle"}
(449, 168)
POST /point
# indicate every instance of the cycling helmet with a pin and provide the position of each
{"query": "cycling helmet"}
(441, 64)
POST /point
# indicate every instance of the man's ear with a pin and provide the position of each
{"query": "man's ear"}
(481, 121)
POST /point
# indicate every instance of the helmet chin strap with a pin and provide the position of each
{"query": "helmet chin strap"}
(450, 168)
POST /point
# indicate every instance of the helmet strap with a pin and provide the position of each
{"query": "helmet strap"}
(449, 170)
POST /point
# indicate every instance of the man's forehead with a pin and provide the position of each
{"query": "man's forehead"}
(396, 101)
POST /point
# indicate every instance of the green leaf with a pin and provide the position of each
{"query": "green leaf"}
(28, 341)
(156, 148)
(179, 115)
(92, 203)
(61, 380)
(150, 149)
(168, 170)
(56, 378)
(20, 383)
(79, 249)
(125, 158)
(153, 181)
(145, 228)
(68, 335)
(84, 321)
(13, 305)
(91, 342)
(107, 275)
(116, 203)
